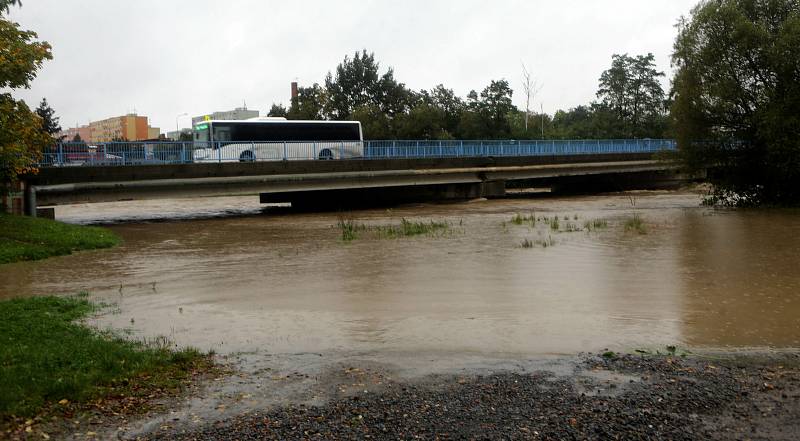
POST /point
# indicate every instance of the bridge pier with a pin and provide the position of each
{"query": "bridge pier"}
(29, 200)
(381, 196)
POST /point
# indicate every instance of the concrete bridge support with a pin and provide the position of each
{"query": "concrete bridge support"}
(29, 200)
(382, 196)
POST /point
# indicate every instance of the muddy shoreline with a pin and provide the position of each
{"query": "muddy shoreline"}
(589, 396)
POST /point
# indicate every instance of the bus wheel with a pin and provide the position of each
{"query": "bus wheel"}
(247, 156)
(325, 154)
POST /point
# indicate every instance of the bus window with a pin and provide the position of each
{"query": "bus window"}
(222, 133)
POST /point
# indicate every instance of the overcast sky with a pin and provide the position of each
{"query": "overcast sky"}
(164, 58)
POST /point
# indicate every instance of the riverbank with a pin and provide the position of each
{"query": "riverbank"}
(55, 372)
(26, 238)
(724, 397)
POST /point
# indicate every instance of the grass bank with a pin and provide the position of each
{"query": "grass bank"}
(51, 365)
(26, 238)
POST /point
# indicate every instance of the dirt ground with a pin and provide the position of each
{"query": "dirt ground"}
(610, 396)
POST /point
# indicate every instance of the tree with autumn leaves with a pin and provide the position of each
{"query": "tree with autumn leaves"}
(21, 136)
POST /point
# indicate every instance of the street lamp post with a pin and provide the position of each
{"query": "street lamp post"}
(177, 129)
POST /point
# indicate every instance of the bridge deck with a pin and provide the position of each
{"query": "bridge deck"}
(65, 175)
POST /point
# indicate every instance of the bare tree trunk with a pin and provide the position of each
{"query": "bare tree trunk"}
(530, 88)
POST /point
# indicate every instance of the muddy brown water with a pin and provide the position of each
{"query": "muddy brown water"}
(240, 279)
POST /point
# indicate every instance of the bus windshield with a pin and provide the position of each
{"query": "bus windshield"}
(201, 132)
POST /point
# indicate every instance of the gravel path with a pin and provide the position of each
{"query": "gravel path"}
(628, 397)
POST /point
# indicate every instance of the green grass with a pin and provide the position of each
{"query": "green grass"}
(46, 357)
(26, 238)
(635, 224)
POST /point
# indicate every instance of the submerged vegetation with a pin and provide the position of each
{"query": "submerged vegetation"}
(635, 224)
(351, 230)
(48, 361)
(519, 219)
(555, 223)
(27, 238)
(543, 242)
(409, 228)
(595, 224)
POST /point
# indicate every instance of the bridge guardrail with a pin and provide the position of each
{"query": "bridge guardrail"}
(176, 152)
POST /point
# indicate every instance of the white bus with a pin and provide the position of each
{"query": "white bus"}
(275, 139)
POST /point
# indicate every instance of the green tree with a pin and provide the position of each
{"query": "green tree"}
(423, 121)
(49, 119)
(737, 98)
(495, 103)
(448, 104)
(486, 115)
(277, 110)
(309, 103)
(631, 89)
(358, 84)
(374, 122)
(21, 136)
(535, 121)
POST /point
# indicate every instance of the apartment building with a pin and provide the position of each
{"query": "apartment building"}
(238, 113)
(130, 127)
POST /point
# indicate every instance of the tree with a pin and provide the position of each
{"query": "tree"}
(358, 84)
(21, 139)
(448, 104)
(374, 122)
(423, 121)
(496, 104)
(309, 103)
(21, 135)
(530, 87)
(535, 123)
(737, 98)
(49, 120)
(631, 89)
(277, 110)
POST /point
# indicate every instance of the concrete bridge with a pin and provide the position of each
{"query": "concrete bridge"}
(346, 182)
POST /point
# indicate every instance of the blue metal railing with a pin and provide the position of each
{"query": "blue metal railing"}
(175, 152)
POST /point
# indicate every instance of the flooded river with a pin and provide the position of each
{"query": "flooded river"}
(241, 279)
